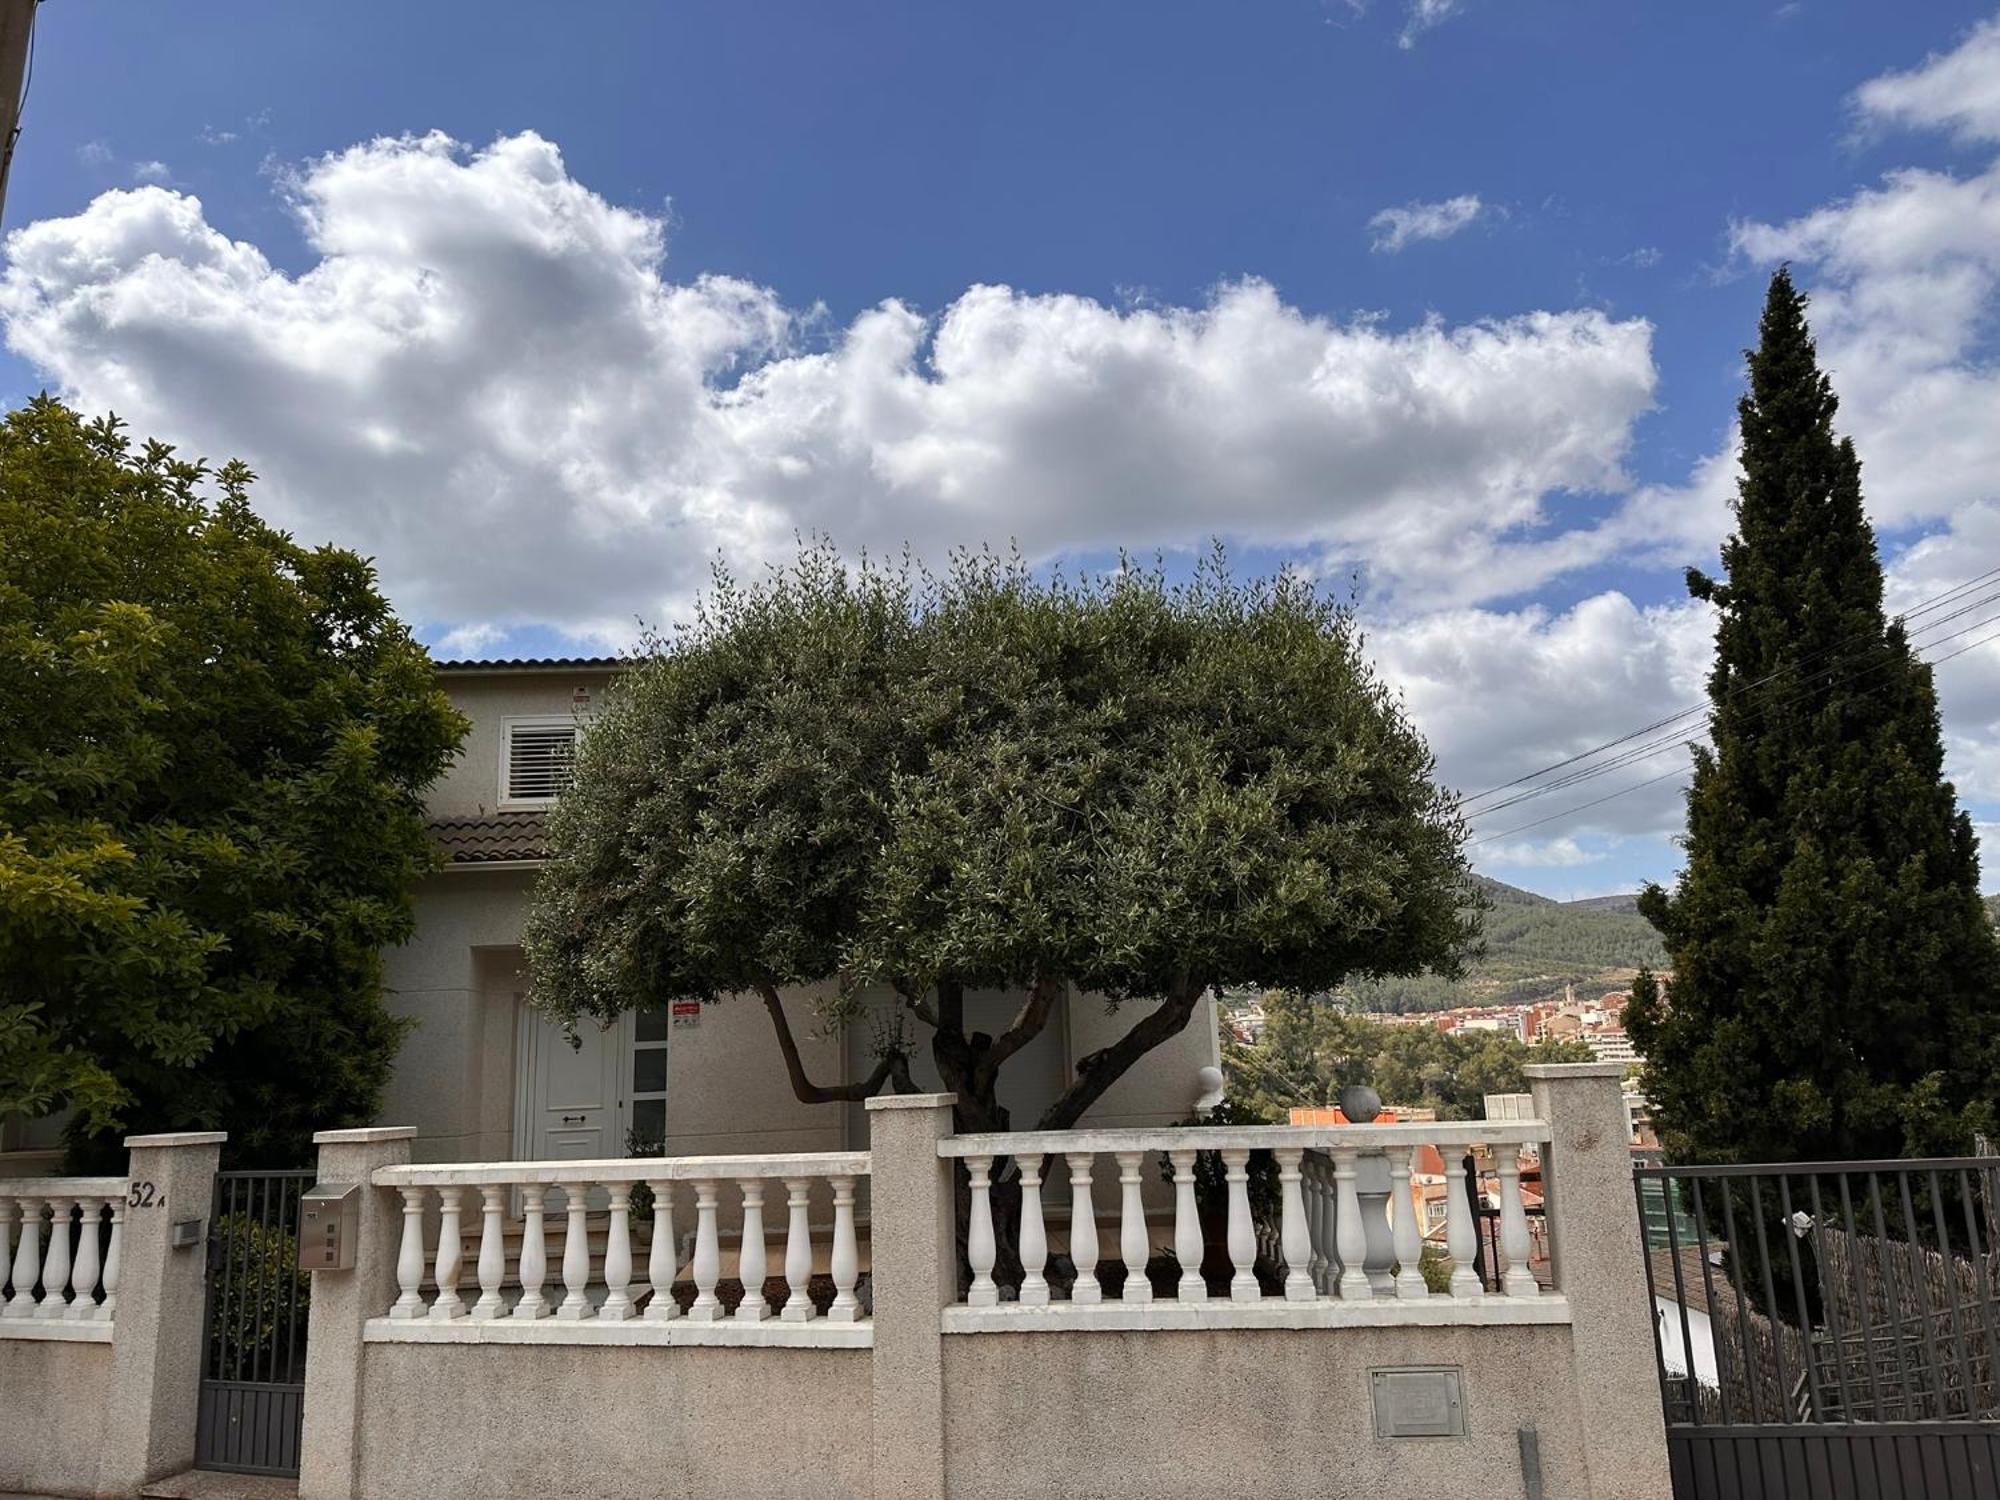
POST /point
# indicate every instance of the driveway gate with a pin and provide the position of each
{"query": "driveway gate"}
(253, 1371)
(1827, 1329)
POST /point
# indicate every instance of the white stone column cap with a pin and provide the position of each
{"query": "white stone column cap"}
(1555, 1072)
(364, 1135)
(912, 1101)
(182, 1138)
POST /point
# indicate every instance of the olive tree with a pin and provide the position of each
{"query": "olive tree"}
(882, 782)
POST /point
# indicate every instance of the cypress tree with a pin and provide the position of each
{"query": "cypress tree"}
(1835, 987)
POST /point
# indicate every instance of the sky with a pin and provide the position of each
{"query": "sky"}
(1442, 301)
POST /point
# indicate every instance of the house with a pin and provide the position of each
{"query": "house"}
(484, 1078)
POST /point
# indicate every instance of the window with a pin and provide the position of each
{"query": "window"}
(535, 758)
(649, 1083)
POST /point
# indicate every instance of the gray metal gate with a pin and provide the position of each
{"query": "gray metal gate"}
(1827, 1329)
(253, 1371)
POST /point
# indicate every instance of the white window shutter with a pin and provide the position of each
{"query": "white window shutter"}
(539, 759)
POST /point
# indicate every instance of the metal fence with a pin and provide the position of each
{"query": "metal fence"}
(253, 1372)
(1826, 1291)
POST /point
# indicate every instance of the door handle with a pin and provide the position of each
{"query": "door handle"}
(574, 1119)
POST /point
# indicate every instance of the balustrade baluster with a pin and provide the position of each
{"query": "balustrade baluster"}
(410, 1257)
(1349, 1237)
(1460, 1237)
(618, 1256)
(575, 1304)
(534, 1254)
(846, 1258)
(751, 1263)
(450, 1256)
(662, 1255)
(798, 1306)
(55, 1261)
(492, 1253)
(1309, 1187)
(27, 1261)
(83, 1275)
(1242, 1232)
(114, 1257)
(1188, 1247)
(6, 1248)
(1082, 1230)
(979, 1247)
(1409, 1239)
(1516, 1280)
(1294, 1232)
(1034, 1236)
(1134, 1246)
(707, 1256)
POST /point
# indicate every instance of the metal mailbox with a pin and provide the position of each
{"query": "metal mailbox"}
(329, 1220)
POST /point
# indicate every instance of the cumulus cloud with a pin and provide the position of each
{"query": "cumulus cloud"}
(1501, 694)
(1395, 229)
(151, 171)
(1957, 91)
(488, 381)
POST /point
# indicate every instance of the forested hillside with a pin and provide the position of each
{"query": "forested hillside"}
(1533, 947)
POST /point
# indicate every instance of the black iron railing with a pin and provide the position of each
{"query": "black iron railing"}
(1825, 1292)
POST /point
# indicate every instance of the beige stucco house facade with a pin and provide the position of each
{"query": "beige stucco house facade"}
(483, 1078)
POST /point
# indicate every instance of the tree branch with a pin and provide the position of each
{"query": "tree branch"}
(917, 1005)
(803, 1088)
(1026, 1025)
(1096, 1072)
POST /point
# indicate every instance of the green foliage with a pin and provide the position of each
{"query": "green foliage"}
(915, 784)
(211, 762)
(1312, 1049)
(1530, 948)
(1834, 972)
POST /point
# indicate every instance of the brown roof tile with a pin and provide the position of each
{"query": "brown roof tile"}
(492, 837)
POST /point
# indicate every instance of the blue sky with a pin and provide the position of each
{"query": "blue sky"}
(626, 308)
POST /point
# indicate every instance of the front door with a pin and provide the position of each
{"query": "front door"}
(575, 1108)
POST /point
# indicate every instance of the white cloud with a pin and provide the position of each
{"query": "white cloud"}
(1501, 694)
(208, 135)
(94, 154)
(1425, 15)
(1957, 91)
(1563, 853)
(469, 641)
(1396, 228)
(487, 382)
(151, 171)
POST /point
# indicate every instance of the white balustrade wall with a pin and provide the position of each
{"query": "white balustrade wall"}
(456, 1265)
(1348, 1229)
(61, 1241)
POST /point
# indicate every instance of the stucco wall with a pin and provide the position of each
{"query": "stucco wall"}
(472, 785)
(1282, 1415)
(456, 979)
(462, 1422)
(52, 1411)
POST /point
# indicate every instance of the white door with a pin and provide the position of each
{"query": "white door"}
(575, 1107)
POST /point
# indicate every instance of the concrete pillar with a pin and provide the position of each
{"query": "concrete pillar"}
(1600, 1266)
(342, 1301)
(156, 1347)
(915, 1269)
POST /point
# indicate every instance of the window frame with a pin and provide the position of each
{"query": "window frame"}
(508, 725)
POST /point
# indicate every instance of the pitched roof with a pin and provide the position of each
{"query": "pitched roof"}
(492, 838)
(1715, 1296)
(536, 664)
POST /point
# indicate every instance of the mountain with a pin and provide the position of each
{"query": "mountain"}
(1533, 947)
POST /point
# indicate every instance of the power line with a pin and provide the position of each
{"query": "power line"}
(1678, 770)
(1803, 691)
(1922, 607)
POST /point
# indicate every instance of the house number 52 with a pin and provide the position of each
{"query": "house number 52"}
(141, 1196)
